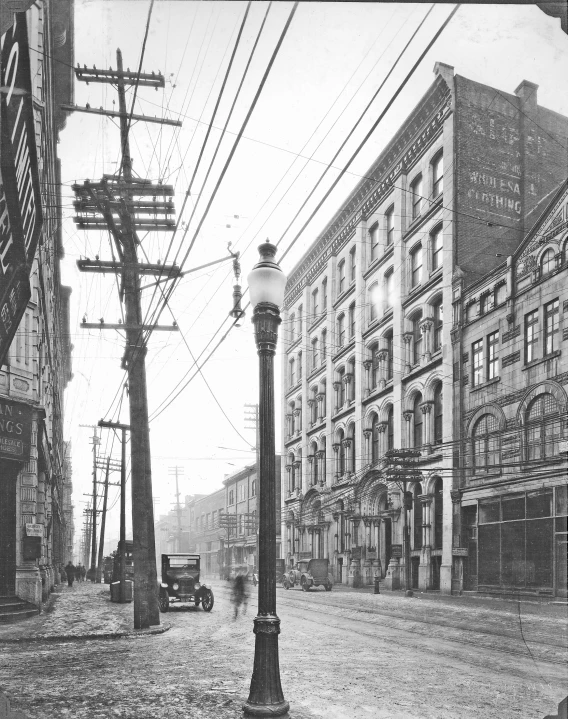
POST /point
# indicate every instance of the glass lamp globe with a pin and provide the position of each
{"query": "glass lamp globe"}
(266, 280)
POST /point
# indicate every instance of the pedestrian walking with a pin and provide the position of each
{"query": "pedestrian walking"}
(239, 595)
(70, 572)
(82, 572)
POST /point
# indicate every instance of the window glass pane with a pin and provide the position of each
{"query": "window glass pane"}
(562, 499)
(539, 504)
(488, 511)
(539, 553)
(489, 551)
(513, 569)
(513, 507)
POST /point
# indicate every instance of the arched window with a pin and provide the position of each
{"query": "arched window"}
(417, 338)
(417, 507)
(417, 421)
(416, 266)
(547, 262)
(374, 241)
(374, 297)
(291, 462)
(437, 247)
(352, 388)
(341, 390)
(352, 454)
(438, 324)
(352, 265)
(374, 350)
(437, 175)
(375, 439)
(341, 454)
(313, 454)
(315, 304)
(299, 463)
(438, 513)
(542, 427)
(341, 330)
(292, 372)
(390, 428)
(486, 444)
(315, 352)
(438, 414)
(416, 197)
(324, 294)
(340, 277)
(389, 289)
(314, 408)
(389, 225)
(292, 326)
(323, 345)
(323, 460)
(352, 320)
(389, 339)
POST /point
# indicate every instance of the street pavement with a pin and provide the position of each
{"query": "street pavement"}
(344, 654)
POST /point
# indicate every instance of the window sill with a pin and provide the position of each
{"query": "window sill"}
(484, 385)
(536, 362)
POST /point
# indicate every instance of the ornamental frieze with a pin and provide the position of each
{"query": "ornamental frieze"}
(549, 231)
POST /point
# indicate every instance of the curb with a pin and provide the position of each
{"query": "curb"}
(133, 634)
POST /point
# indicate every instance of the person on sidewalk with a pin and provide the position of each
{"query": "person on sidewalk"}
(239, 594)
(70, 572)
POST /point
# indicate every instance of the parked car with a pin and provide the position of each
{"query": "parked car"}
(280, 572)
(309, 573)
(180, 582)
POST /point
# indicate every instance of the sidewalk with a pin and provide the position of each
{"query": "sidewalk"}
(83, 611)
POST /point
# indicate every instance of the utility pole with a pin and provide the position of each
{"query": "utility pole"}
(110, 204)
(103, 522)
(122, 541)
(176, 471)
(93, 567)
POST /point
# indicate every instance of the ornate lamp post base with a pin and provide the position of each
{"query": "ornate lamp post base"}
(266, 698)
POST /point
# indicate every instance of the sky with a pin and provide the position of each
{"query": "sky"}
(332, 60)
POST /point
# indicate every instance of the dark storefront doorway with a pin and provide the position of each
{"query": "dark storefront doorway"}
(8, 478)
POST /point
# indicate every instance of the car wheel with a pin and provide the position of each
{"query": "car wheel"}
(197, 602)
(207, 601)
(328, 587)
(286, 584)
(163, 601)
(304, 584)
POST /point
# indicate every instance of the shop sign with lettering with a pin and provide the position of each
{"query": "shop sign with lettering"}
(15, 430)
(20, 195)
(396, 551)
(34, 530)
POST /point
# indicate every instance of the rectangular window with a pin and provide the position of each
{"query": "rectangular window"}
(500, 294)
(315, 304)
(493, 355)
(27, 339)
(477, 361)
(551, 317)
(292, 372)
(437, 175)
(323, 345)
(416, 260)
(531, 335)
(437, 248)
(388, 290)
(341, 277)
(324, 295)
(352, 321)
(300, 319)
(315, 353)
(341, 330)
(416, 196)
(374, 240)
(253, 488)
(299, 365)
(389, 218)
(353, 265)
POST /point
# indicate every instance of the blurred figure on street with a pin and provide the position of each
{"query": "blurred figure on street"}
(82, 572)
(239, 595)
(70, 572)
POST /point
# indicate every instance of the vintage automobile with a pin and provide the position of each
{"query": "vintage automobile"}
(309, 573)
(180, 582)
(280, 572)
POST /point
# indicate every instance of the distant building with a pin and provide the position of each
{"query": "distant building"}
(206, 536)
(367, 324)
(510, 373)
(172, 530)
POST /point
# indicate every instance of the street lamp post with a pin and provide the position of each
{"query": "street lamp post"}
(266, 284)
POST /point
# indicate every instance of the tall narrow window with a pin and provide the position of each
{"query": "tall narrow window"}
(352, 265)
(417, 338)
(551, 316)
(486, 444)
(374, 241)
(323, 345)
(315, 304)
(341, 467)
(437, 175)
(375, 439)
(438, 325)
(389, 222)
(292, 323)
(477, 361)
(375, 365)
(500, 294)
(341, 277)
(389, 339)
(352, 321)
(437, 243)
(531, 335)
(542, 427)
(315, 353)
(341, 330)
(292, 372)
(547, 263)
(416, 266)
(353, 453)
(341, 389)
(416, 197)
(493, 355)
(27, 338)
(389, 284)
(300, 319)
(324, 294)
(374, 302)
(418, 421)
(390, 428)
(438, 415)
(299, 365)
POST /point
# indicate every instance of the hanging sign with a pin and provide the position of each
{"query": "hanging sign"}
(34, 530)
(15, 430)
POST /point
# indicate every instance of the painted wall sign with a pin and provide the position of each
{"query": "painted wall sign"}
(396, 551)
(15, 430)
(20, 196)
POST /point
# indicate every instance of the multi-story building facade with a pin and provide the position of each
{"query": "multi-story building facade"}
(368, 362)
(34, 459)
(241, 494)
(511, 388)
(173, 531)
(206, 536)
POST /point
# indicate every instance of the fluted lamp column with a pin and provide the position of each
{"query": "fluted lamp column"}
(266, 284)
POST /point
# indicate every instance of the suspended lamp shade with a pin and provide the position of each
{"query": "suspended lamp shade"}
(266, 280)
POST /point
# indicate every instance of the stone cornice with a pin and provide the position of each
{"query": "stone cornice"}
(416, 135)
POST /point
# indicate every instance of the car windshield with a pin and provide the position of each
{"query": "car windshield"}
(176, 572)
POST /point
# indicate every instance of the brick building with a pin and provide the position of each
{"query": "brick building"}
(511, 388)
(206, 536)
(368, 360)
